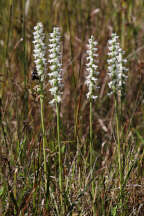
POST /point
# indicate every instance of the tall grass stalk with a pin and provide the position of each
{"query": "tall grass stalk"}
(123, 20)
(24, 60)
(71, 33)
(4, 71)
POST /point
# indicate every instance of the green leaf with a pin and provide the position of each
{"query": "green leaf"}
(114, 211)
(63, 149)
(1, 191)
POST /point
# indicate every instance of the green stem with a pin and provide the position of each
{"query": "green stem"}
(91, 145)
(15, 183)
(91, 153)
(59, 152)
(119, 151)
(44, 136)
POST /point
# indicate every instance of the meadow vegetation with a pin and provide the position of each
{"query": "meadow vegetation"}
(78, 156)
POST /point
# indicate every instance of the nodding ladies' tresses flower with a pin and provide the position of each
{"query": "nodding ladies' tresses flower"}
(91, 80)
(55, 59)
(39, 50)
(116, 68)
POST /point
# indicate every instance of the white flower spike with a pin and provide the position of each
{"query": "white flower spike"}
(55, 59)
(91, 80)
(39, 50)
(116, 68)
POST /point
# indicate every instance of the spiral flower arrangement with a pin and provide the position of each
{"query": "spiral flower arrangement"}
(116, 68)
(39, 51)
(55, 56)
(91, 67)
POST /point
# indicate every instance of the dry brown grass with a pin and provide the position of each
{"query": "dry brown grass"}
(20, 130)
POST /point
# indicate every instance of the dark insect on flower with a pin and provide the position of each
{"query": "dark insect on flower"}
(35, 74)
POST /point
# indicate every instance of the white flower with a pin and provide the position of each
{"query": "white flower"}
(91, 80)
(55, 57)
(39, 50)
(116, 68)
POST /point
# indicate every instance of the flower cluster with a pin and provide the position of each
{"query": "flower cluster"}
(116, 62)
(91, 80)
(116, 68)
(55, 59)
(39, 50)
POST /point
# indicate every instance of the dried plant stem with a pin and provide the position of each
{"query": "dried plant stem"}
(44, 135)
(122, 25)
(24, 60)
